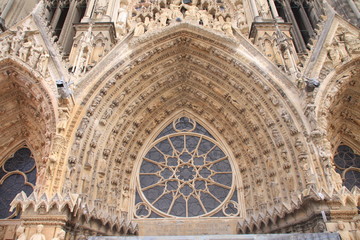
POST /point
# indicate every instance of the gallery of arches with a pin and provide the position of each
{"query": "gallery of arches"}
(179, 118)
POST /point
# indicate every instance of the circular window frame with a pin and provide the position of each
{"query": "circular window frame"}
(188, 132)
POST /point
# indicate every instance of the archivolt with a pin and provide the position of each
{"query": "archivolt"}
(28, 112)
(246, 109)
(339, 103)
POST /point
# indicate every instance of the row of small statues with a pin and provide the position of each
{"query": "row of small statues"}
(192, 14)
(20, 234)
(26, 49)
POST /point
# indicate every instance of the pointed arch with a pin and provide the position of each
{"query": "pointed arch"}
(339, 103)
(184, 71)
(27, 114)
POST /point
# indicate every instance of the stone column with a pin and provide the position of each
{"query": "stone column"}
(255, 11)
(274, 11)
(67, 28)
(89, 11)
(296, 34)
(56, 17)
(6, 9)
(110, 10)
(306, 20)
(354, 8)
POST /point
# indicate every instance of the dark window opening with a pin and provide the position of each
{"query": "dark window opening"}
(17, 174)
(300, 22)
(81, 10)
(347, 164)
(60, 23)
(310, 16)
(280, 10)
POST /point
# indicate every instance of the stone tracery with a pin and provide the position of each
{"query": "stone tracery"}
(127, 88)
(211, 93)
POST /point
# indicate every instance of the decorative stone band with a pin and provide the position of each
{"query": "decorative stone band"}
(298, 236)
(24, 202)
(75, 205)
(341, 196)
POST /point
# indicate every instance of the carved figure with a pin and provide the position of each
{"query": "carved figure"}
(60, 235)
(357, 231)
(165, 13)
(80, 67)
(344, 234)
(217, 25)
(240, 18)
(139, 28)
(43, 62)
(20, 233)
(336, 179)
(102, 166)
(35, 54)
(83, 125)
(125, 199)
(151, 25)
(334, 54)
(204, 17)
(309, 176)
(122, 16)
(227, 28)
(24, 51)
(191, 13)
(38, 235)
(101, 7)
(5, 47)
(176, 13)
(17, 40)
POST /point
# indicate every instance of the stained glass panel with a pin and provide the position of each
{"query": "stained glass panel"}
(185, 173)
(14, 182)
(347, 164)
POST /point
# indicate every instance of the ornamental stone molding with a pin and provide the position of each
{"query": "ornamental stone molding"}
(140, 114)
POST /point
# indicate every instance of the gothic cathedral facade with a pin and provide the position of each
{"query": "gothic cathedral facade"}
(179, 117)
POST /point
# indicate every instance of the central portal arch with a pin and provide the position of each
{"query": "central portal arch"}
(143, 91)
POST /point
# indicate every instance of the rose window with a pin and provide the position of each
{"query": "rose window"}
(185, 173)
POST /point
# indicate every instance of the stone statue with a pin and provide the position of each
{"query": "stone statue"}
(20, 233)
(336, 179)
(176, 13)
(204, 17)
(38, 235)
(80, 67)
(43, 62)
(60, 235)
(122, 16)
(151, 25)
(357, 231)
(165, 13)
(5, 48)
(101, 7)
(191, 12)
(35, 54)
(125, 199)
(139, 28)
(17, 40)
(240, 18)
(24, 51)
(227, 28)
(344, 234)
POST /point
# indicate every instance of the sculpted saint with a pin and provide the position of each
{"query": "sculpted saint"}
(38, 235)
